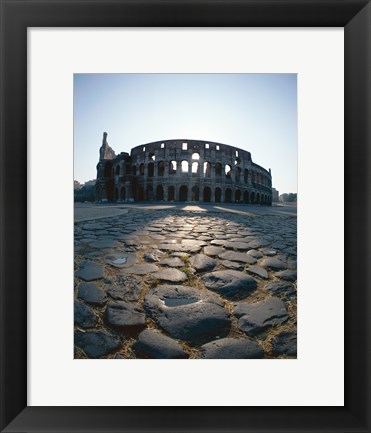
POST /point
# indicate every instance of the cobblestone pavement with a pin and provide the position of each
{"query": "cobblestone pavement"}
(185, 282)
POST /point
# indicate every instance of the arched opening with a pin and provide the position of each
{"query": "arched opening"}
(195, 193)
(140, 193)
(122, 193)
(245, 175)
(151, 156)
(151, 169)
(108, 169)
(218, 169)
(207, 169)
(184, 166)
(237, 196)
(171, 193)
(172, 167)
(183, 193)
(161, 168)
(149, 192)
(228, 195)
(159, 193)
(141, 169)
(195, 155)
(194, 167)
(237, 174)
(218, 195)
(207, 194)
(252, 195)
(110, 187)
(117, 172)
(246, 197)
(227, 170)
(257, 198)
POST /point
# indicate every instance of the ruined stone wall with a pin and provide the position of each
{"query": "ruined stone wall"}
(185, 170)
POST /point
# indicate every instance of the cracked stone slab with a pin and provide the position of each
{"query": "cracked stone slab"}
(231, 348)
(213, 251)
(235, 256)
(173, 262)
(230, 284)
(124, 316)
(256, 317)
(258, 270)
(84, 315)
(273, 263)
(280, 288)
(155, 345)
(172, 275)
(104, 243)
(121, 260)
(141, 269)
(128, 289)
(187, 314)
(96, 343)
(287, 275)
(90, 271)
(202, 262)
(91, 293)
(285, 343)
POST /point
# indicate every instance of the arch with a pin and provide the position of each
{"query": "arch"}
(195, 155)
(245, 175)
(207, 194)
(246, 197)
(228, 195)
(110, 189)
(140, 193)
(122, 193)
(195, 193)
(151, 169)
(257, 198)
(207, 169)
(117, 171)
(218, 195)
(237, 174)
(237, 196)
(252, 198)
(218, 169)
(184, 166)
(141, 169)
(149, 193)
(161, 168)
(183, 193)
(172, 167)
(108, 169)
(227, 170)
(194, 167)
(159, 193)
(171, 193)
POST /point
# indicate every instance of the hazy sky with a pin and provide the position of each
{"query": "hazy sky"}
(255, 112)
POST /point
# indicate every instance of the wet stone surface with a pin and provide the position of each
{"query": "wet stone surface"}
(166, 283)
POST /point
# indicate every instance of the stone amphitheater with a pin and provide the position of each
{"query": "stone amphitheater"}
(182, 170)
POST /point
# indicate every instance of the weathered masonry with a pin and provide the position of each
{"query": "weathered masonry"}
(182, 170)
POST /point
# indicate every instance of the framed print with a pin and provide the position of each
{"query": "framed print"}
(48, 45)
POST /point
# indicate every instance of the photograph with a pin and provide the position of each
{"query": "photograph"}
(185, 216)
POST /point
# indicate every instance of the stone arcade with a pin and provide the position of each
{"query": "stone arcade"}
(182, 170)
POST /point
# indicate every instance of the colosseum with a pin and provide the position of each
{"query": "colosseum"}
(182, 170)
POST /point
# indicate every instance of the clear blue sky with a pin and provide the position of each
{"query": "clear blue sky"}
(255, 112)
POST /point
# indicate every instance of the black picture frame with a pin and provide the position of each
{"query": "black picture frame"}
(16, 17)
